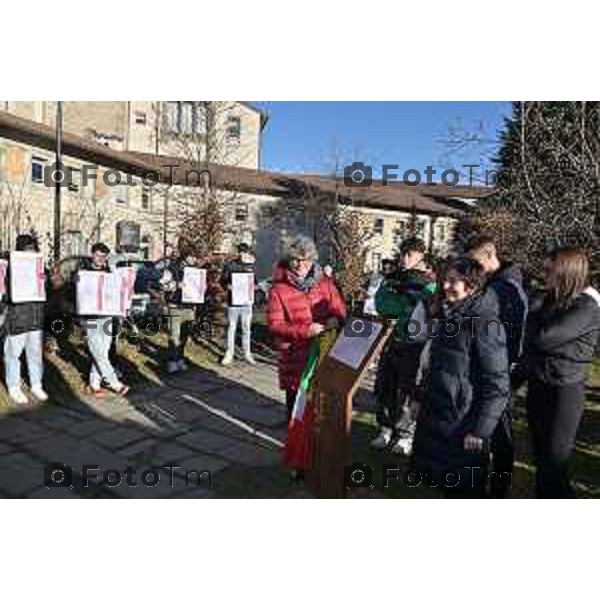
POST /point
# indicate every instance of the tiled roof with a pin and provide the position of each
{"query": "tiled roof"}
(396, 196)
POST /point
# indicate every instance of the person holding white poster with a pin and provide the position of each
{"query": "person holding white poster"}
(24, 323)
(181, 309)
(239, 279)
(98, 330)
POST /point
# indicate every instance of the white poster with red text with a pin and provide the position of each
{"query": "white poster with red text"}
(193, 285)
(27, 278)
(100, 293)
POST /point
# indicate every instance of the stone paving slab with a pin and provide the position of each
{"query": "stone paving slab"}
(200, 462)
(166, 452)
(251, 455)
(138, 448)
(119, 436)
(5, 448)
(203, 440)
(185, 422)
(19, 474)
(15, 429)
(75, 453)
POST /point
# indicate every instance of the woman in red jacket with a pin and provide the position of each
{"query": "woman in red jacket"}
(302, 301)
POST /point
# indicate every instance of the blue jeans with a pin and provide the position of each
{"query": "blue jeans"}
(244, 313)
(99, 339)
(31, 342)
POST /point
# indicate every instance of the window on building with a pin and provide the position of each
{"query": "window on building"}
(146, 246)
(379, 225)
(399, 232)
(420, 228)
(234, 129)
(186, 117)
(72, 243)
(376, 261)
(75, 184)
(172, 116)
(441, 232)
(241, 212)
(145, 198)
(121, 193)
(37, 169)
(139, 117)
(201, 117)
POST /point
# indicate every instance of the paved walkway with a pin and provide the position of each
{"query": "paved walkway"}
(228, 421)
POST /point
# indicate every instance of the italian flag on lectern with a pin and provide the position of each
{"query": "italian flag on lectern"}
(298, 447)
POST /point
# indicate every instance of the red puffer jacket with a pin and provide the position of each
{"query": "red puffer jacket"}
(290, 313)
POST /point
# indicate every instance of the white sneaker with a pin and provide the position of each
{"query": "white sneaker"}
(17, 396)
(172, 367)
(227, 359)
(182, 365)
(250, 359)
(402, 446)
(39, 393)
(382, 440)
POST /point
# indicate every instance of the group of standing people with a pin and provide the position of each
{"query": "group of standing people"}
(22, 324)
(466, 338)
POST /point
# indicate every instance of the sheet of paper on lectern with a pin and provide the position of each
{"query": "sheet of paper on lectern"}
(27, 279)
(355, 341)
(242, 289)
(194, 285)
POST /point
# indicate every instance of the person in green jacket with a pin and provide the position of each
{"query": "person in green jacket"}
(398, 297)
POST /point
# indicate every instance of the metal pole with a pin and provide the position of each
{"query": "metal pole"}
(165, 201)
(57, 185)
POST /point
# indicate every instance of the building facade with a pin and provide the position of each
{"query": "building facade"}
(223, 132)
(97, 208)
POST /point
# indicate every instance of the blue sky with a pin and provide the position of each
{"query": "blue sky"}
(306, 136)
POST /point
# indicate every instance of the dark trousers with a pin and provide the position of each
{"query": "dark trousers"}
(503, 457)
(395, 383)
(290, 398)
(553, 416)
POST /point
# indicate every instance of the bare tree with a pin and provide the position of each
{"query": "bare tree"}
(201, 215)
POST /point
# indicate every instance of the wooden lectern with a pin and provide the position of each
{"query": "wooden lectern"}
(337, 378)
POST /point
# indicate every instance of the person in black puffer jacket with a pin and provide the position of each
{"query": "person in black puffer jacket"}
(467, 387)
(562, 333)
(24, 324)
(506, 281)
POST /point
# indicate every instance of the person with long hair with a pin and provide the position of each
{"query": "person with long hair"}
(561, 338)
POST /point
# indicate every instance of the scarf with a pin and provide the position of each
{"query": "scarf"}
(304, 284)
